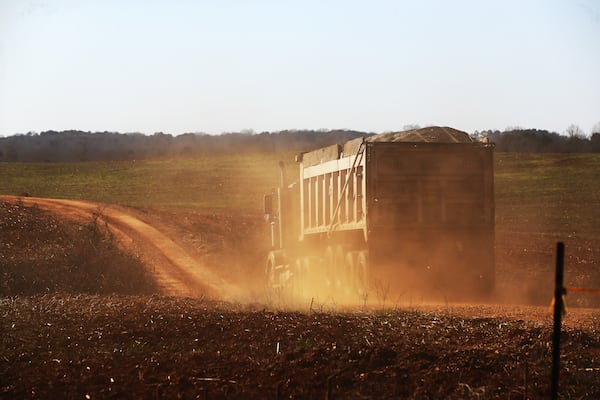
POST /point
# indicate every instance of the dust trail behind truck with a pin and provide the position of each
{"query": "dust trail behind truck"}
(408, 213)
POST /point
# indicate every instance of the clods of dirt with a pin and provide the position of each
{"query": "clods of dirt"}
(87, 346)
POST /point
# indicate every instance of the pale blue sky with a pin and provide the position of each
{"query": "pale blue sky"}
(229, 65)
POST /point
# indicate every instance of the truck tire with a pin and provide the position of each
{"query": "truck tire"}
(362, 273)
(272, 279)
(339, 268)
(300, 278)
(274, 269)
(329, 269)
(485, 286)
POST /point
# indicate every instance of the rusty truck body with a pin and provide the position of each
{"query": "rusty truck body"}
(404, 211)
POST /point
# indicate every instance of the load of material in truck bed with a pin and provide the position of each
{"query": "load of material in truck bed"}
(431, 134)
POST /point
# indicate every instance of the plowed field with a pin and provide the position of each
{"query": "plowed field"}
(184, 341)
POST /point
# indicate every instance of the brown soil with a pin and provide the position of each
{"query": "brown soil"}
(176, 272)
(186, 342)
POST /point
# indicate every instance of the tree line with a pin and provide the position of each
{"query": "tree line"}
(542, 141)
(77, 146)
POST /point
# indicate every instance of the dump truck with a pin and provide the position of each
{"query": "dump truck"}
(406, 212)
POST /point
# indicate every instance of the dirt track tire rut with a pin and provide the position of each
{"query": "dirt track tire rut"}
(176, 272)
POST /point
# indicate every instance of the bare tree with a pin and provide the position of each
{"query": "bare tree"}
(596, 128)
(575, 131)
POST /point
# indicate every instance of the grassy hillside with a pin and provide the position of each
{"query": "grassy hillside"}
(230, 182)
(557, 193)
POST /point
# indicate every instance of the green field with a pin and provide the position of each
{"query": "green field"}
(557, 193)
(225, 182)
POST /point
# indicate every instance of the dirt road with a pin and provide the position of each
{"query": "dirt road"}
(177, 272)
(187, 267)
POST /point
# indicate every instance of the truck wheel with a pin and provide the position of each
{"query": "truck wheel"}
(299, 278)
(339, 270)
(328, 268)
(276, 270)
(485, 286)
(350, 273)
(270, 272)
(362, 273)
(317, 276)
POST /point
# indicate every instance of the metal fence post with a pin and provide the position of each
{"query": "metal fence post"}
(559, 291)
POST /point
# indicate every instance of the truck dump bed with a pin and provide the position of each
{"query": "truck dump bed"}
(407, 171)
(420, 202)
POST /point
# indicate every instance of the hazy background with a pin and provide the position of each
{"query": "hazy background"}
(222, 66)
